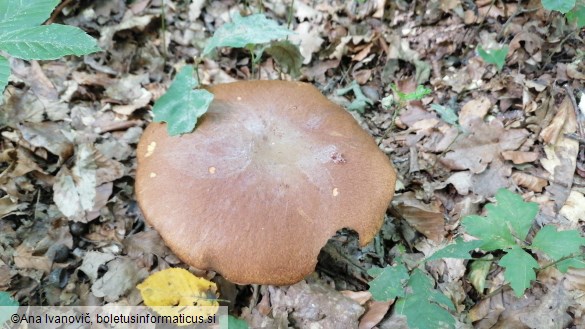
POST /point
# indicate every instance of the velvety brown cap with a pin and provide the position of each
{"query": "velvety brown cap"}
(271, 172)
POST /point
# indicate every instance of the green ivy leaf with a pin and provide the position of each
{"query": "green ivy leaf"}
(577, 15)
(389, 282)
(562, 6)
(459, 249)
(47, 42)
(181, 106)
(242, 31)
(287, 55)
(558, 244)
(18, 14)
(519, 271)
(4, 73)
(494, 56)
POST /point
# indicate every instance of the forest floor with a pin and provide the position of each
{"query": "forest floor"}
(69, 130)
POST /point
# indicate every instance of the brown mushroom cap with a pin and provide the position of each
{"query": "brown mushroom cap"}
(272, 171)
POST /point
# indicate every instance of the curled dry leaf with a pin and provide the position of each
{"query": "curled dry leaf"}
(428, 219)
(533, 183)
(519, 157)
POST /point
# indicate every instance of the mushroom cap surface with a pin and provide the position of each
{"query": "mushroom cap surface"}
(271, 172)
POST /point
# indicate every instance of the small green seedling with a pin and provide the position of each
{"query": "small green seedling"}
(494, 56)
(22, 36)
(418, 300)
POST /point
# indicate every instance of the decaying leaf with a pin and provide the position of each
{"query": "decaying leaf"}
(425, 218)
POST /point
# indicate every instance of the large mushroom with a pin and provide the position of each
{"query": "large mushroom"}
(272, 171)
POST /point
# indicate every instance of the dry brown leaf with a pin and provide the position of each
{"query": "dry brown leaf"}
(428, 219)
(482, 145)
(574, 208)
(474, 111)
(519, 157)
(375, 312)
(533, 183)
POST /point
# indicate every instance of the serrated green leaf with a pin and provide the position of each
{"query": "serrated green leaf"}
(48, 42)
(4, 73)
(388, 283)
(519, 271)
(510, 217)
(18, 14)
(576, 262)
(577, 15)
(459, 249)
(494, 56)
(557, 244)
(287, 55)
(447, 114)
(181, 106)
(422, 314)
(9, 306)
(511, 208)
(418, 94)
(478, 271)
(494, 234)
(421, 307)
(562, 6)
(242, 31)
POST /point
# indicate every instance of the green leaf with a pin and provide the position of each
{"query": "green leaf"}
(510, 217)
(519, 271)
(495, 234)
(418, 94)
(512, 209)
(181, 106)
(253, 29)
(575, 262)
(360, 101)
(389, 282)
(478, 271)
(287, 55)
(494, 56)
(459, 249)
(421, 314)
(558, 244)
(577, 15)
(447, 114)
(18, 14)
(422, 307)
(559, 5)
(47, 42)
(4, 73)
(235, 323)
(9, 306)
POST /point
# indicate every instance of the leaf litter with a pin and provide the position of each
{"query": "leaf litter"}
(69, 129)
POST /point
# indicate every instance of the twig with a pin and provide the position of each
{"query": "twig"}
(57, 11)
